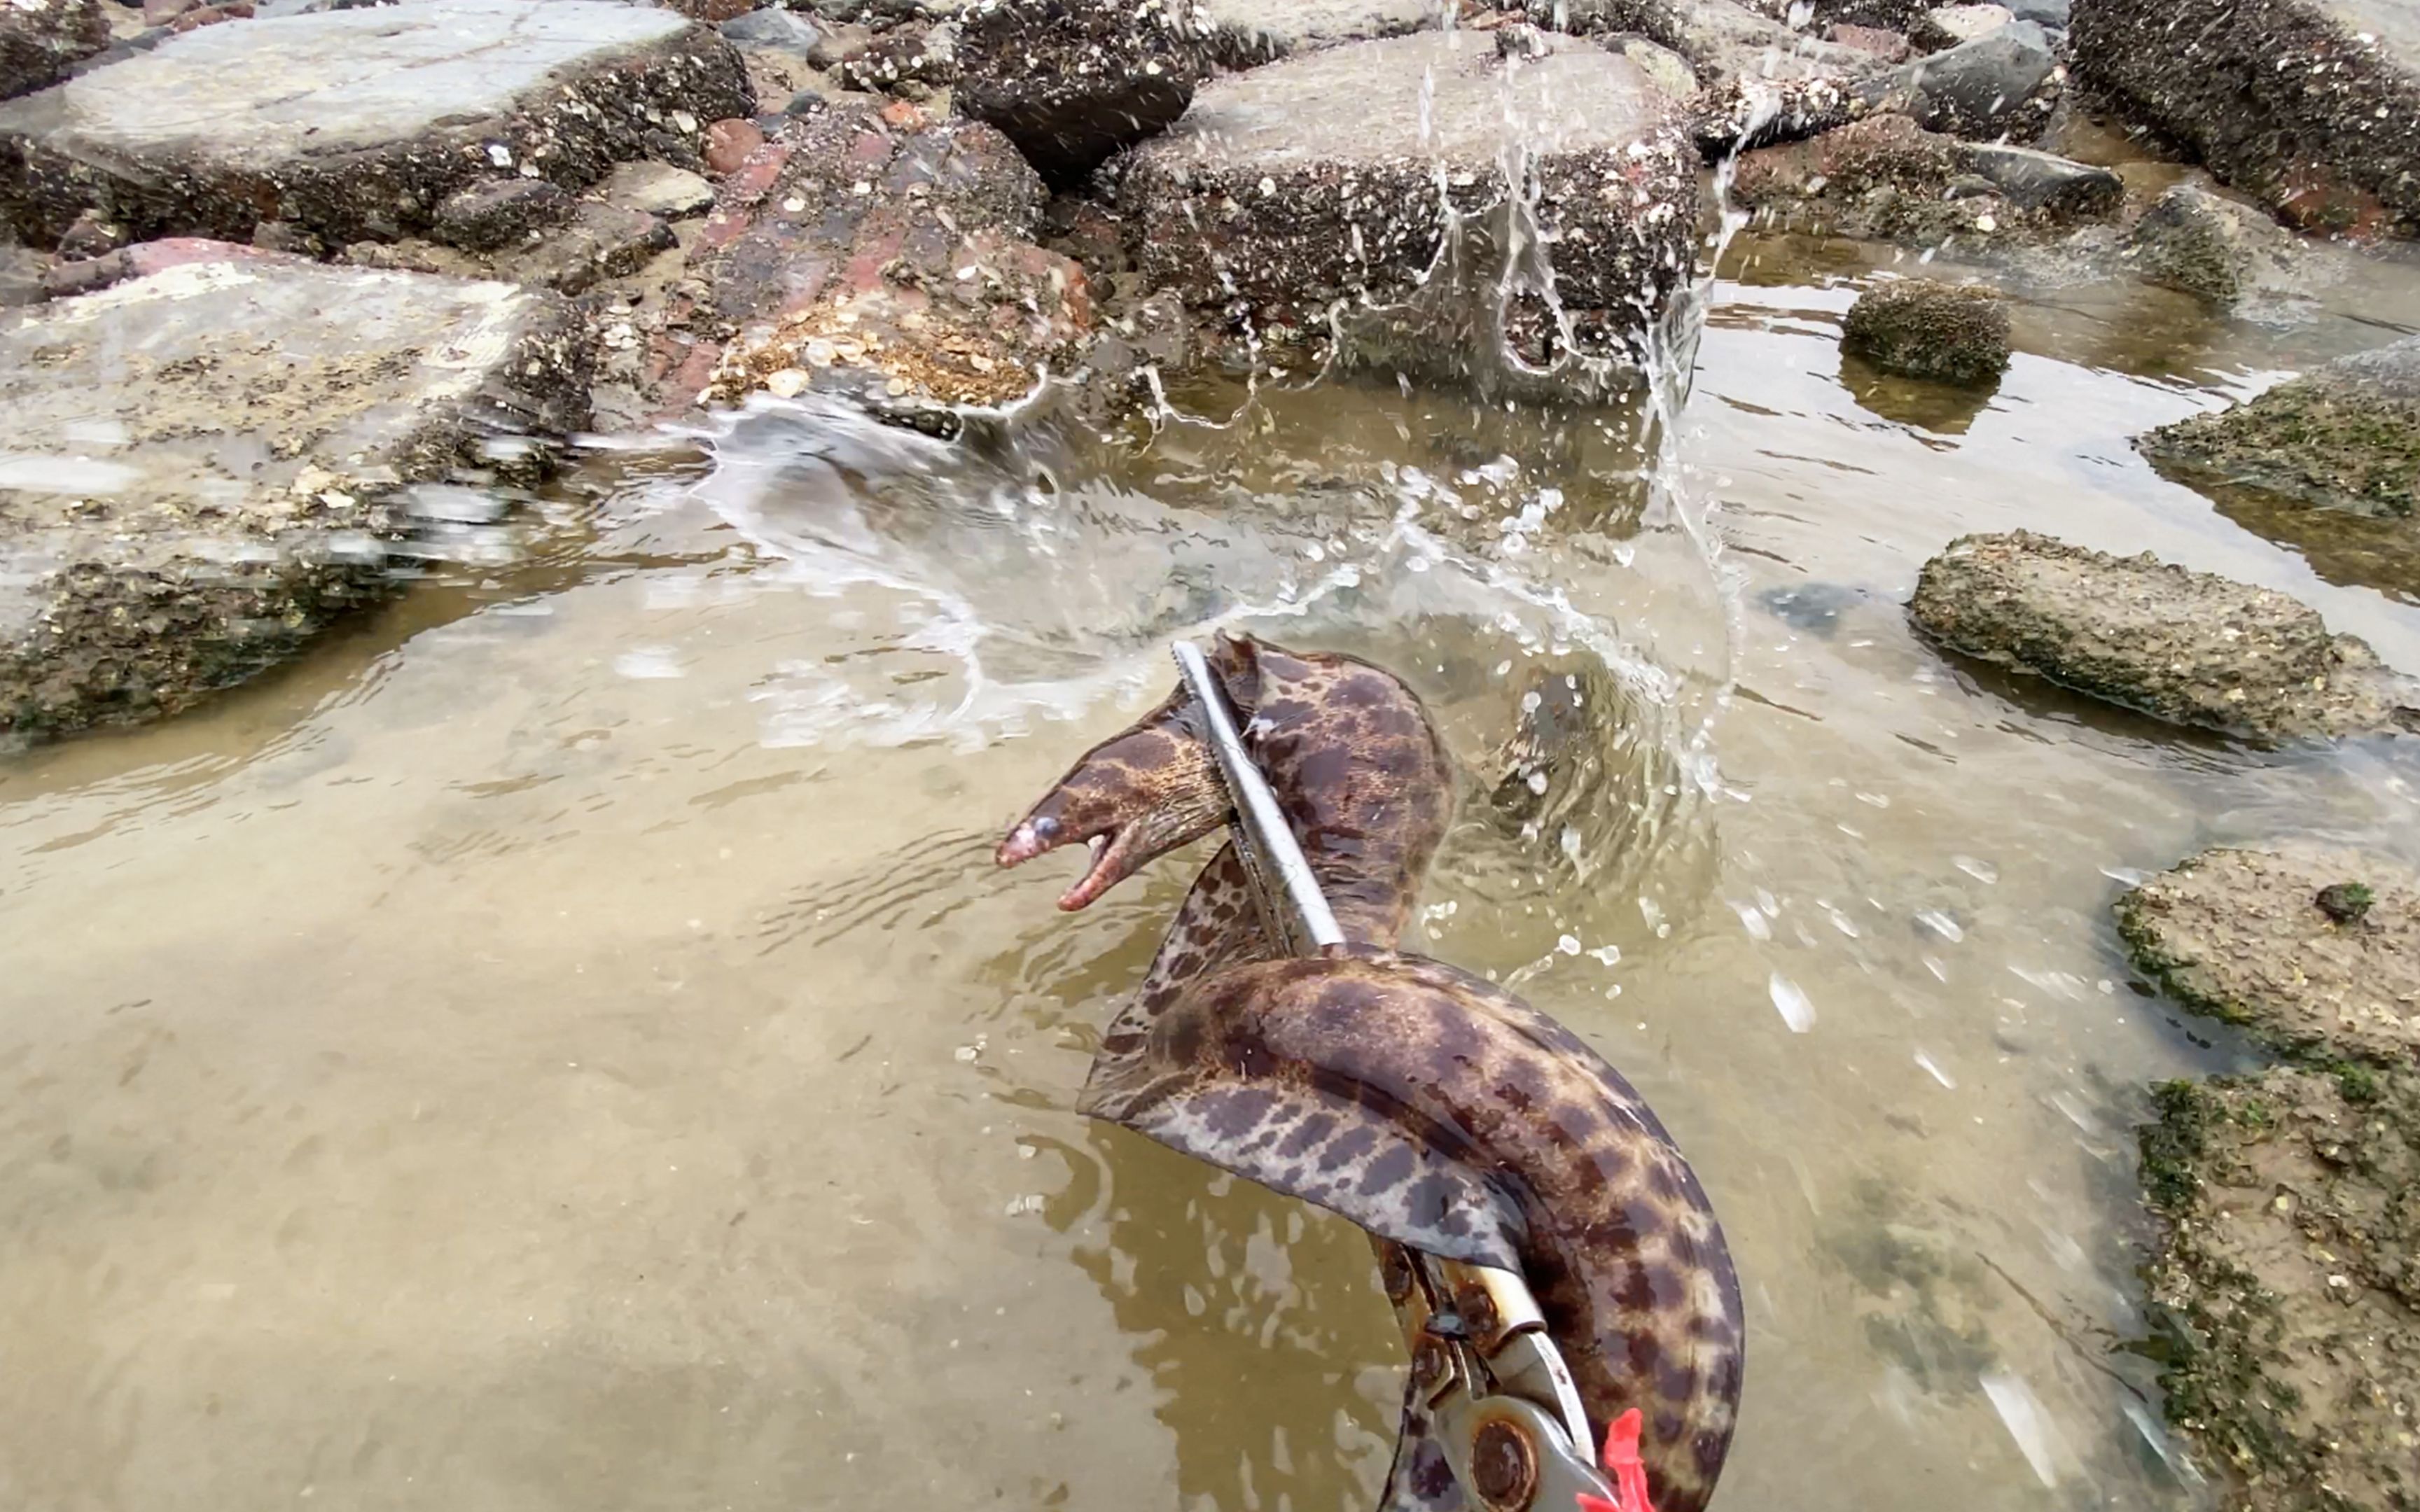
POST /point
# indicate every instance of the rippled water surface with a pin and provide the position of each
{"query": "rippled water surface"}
(565, 1044)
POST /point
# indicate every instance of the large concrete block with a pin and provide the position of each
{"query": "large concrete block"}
(355, 124)
(206, 465)
(1329, 176)
(2311, 106)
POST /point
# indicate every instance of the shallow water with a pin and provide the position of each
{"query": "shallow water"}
(564, 1044)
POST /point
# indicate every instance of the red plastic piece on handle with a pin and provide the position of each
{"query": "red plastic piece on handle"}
(1628, 1471)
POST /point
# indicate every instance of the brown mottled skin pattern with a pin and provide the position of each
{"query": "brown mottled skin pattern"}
(1432, 1107)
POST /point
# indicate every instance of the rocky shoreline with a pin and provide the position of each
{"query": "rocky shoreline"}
(378, 263)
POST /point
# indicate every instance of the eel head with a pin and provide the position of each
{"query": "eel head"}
(1144, 792)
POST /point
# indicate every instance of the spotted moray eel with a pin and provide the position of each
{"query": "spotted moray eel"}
(1431, 1107)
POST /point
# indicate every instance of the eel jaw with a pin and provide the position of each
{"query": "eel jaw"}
(1111, 847)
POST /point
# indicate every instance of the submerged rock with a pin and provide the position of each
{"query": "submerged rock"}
(40, 39)
(1072, 81)
(2345, 436)
(2213, 248)
(1328, 178)
(2316, 950)
(208, 464)
(358, 124)
(1916, 328)
(2189, 647)
(2310, 106)
(890, 257)
(2284, 1297)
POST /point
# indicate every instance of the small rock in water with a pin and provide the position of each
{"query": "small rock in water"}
(2346, 902)
(2210, 247)
(2189, 647)
(1919, 327)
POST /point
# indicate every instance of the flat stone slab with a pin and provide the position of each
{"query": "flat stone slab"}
(2281, 1282)
(2310, 106)
(2192, 648)
(1317, 179)
(1247, 33)
(2249, 937)
(355, 124)
(2344, 435)
(202, 466)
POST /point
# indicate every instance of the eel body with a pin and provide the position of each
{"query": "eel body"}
(1432, 1108)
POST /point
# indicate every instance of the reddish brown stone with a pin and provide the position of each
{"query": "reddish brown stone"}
(884, 247)
(1887, 45)
(729, 142)
(212, 15)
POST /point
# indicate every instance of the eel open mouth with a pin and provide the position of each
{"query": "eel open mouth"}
(1112, 847)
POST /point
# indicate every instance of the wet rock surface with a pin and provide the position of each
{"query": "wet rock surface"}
(2316, 949)
(890, 256)
(212, 462)
(2310, 106)
(1886, 178)
(1246, 33)
(2345, 436)
(2285, 1298)
(40, 39)
(1072, 81)
(2001, 83)
(2210, 247)
(2188, 647)
(358, 124)
(1917, 328)
(1312, 180)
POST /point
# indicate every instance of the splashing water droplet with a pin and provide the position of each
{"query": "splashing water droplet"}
(1796, 1010)
(1980, 871)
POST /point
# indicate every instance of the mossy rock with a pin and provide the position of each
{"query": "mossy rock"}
(2346, 436)
(2285, 1283)
(2249, 937)
(1921, 328)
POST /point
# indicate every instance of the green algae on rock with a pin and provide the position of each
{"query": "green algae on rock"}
(2250, 936)
(2192, 648)
(1917, 328)
(2346, 435)
(2284, 1288)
